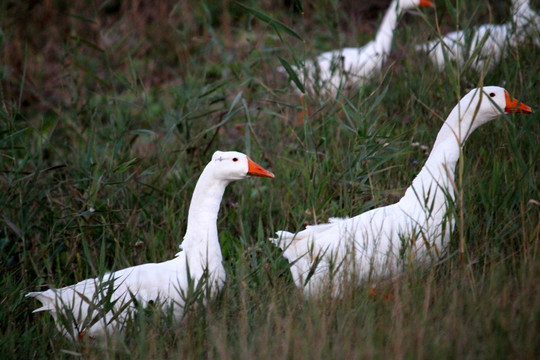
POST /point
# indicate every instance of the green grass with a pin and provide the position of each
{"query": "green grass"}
(109, 113)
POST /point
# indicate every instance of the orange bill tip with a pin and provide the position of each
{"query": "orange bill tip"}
(513, 106)
(255, 169)
(426, 3)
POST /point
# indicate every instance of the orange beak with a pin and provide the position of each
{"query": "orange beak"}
(513, 106)
(255, 169)
(425, 3)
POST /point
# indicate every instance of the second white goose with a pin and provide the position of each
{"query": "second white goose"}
(417, 227)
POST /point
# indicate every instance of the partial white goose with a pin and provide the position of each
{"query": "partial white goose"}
(484, 46)
(338, 69)
(416, 228)
(460, 46)
(526, 22)
(96, 306)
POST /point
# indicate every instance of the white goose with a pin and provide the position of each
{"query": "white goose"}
(96, 306)
(337, 69)
(485, 45)
(526, 22)
(416, 228)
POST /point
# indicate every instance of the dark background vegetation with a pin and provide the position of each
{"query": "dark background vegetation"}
(110, 109)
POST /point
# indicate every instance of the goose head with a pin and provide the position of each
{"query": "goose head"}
(480, 106)
(487, 103)
(412, 4)
(233, 165)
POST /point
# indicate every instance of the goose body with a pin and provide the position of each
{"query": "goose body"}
(96, 306)
(526, 22)
(417, 227)
(485, 45)
(338, 69)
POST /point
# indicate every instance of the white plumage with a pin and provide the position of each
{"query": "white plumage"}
(484, 46)
(526, 21)
(96, 306)
(416, 228)
(334, 70)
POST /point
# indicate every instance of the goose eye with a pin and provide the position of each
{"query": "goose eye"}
(235, 159)
(492, 94)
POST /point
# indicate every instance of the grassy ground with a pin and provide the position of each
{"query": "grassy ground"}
(109, 111)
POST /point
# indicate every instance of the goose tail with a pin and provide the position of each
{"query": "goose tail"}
(283, 240)
(47, 299)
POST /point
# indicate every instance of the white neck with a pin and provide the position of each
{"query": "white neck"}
(203, 211)
(438, 171)
(385, 33)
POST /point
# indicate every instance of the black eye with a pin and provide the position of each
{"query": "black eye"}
(235, 159)
(492, 94)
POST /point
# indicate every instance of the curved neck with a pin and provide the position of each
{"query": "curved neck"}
(384, 36)
(438, 171)
(458, 125)
(204, 209)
